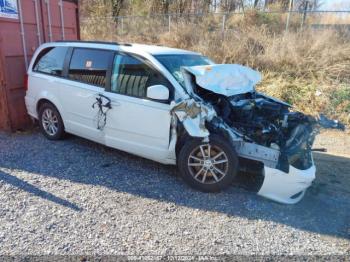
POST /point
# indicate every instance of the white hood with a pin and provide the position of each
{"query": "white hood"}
(225, 79)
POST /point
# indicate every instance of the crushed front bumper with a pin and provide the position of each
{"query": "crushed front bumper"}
(286, 188)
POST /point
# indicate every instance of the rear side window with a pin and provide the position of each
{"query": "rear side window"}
(89, 66)
(131, 76)
(51, 61)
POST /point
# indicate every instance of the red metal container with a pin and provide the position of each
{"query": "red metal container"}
(24, 25)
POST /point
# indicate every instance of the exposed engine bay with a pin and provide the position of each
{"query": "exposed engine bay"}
(263, 130)
(267, 122)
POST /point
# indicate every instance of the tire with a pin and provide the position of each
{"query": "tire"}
(50, 122)
(203, 173)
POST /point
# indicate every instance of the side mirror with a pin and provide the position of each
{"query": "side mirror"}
(158, 92)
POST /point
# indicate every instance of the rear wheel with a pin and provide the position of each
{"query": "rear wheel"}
(209, 167)
(50, 121)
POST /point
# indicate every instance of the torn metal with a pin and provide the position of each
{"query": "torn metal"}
(325, 122)
(260, 128)
(173, 137)
(193, 116)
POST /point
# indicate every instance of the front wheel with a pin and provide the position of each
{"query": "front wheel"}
(208, 167)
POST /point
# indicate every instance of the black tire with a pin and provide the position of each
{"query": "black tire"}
(186, 157)
(59, 134)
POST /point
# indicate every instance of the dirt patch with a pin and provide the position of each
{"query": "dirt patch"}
(333, 167)
(336, 142)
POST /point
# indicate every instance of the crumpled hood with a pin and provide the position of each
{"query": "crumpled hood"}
(225, 79)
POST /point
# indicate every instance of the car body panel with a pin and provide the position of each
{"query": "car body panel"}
(226, 79)
(41, 91)
(281, 187)
(138, 126)
(77, 99)
(149, 128)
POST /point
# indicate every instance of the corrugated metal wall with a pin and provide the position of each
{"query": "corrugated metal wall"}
(38, 21)
(4, 121)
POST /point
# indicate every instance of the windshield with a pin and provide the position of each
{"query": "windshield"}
(174, 63)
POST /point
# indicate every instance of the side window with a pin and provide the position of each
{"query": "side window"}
(131, 76)
(89, 66)
(51, 61)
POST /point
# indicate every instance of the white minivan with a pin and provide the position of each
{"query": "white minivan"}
(175, 107)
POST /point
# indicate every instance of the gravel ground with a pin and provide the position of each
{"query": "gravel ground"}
(77, 197)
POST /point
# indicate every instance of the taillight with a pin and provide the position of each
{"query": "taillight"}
(25, 82)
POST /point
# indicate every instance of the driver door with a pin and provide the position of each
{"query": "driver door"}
(136, 124)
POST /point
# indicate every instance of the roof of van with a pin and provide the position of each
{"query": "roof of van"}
(160, 50)
(151, 49)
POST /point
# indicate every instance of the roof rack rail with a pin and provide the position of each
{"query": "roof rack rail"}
(88, 42)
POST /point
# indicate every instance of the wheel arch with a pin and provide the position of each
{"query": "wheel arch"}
(45, 98)
(183, 136)
(41, 102)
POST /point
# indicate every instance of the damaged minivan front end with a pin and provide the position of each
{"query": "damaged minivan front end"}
(263, 130)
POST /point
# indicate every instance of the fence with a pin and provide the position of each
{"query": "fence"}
(162, 23)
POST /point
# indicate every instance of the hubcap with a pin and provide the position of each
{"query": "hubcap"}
(208, 164)
(50, 122)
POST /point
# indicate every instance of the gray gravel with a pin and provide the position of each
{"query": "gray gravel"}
(78, 197)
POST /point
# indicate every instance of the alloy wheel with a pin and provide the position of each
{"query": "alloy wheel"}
(208, 164)
(50, 122)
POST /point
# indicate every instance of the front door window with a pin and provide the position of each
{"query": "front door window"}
(131, 76)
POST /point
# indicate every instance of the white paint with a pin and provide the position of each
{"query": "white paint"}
(9, 9)
(138, 126)
(280, 186)
(193, 116)
(147, 128)
(158, 92)
(77, 99)
(226, 79)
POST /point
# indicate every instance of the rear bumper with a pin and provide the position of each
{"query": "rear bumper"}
(283, 187)
(31, 106)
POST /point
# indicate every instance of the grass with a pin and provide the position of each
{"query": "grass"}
(309, 69)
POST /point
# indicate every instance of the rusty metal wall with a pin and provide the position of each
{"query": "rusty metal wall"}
(4, 119)
(38, 21)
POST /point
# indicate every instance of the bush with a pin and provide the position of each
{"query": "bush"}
(309, 69)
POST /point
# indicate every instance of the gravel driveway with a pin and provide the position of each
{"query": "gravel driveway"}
(77, 197)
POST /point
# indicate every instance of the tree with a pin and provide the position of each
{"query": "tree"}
(256, 2)
(117, 6)
(229, 5)
(308, 4)
(182, 6)
(282, 3)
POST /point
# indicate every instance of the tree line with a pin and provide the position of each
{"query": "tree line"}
(147, 7)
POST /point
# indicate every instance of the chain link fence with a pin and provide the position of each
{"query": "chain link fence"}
(165, 23)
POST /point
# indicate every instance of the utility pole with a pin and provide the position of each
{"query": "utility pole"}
(223, 25)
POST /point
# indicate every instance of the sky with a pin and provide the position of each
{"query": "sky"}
(336, 5)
